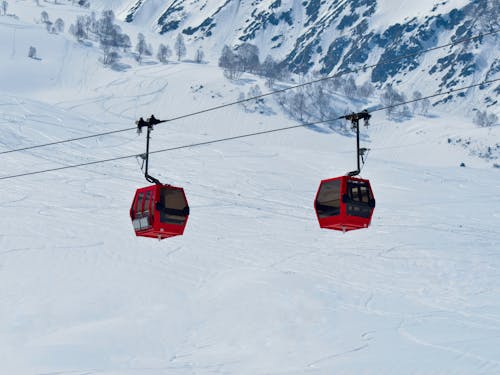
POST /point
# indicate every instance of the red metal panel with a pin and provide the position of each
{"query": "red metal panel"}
(156, 228)
(343, 221)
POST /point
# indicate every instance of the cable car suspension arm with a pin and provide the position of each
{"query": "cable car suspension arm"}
(360, 152)
(141, 123)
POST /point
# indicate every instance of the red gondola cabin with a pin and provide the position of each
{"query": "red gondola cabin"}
(344, 203)
(159, 211)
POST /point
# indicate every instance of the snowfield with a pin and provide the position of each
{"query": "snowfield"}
(254, 286)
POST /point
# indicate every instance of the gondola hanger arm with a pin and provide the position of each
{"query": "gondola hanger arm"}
(354, 118)
(141, 123)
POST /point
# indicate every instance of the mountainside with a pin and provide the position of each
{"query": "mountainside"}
(339, 35)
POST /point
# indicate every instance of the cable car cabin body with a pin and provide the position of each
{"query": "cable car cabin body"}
(159, 211)
(344, 203)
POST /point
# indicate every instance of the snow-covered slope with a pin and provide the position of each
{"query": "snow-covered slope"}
(337, 36)
(254, 286)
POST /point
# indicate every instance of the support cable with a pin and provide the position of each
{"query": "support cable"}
(240, 136)
(210, 109)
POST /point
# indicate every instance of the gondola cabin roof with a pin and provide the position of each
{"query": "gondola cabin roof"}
(344, 203)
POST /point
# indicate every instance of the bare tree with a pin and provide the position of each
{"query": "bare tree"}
(141, 47)
(59, 25)
(164, 53)
(44, 16)
(110, 36)
(124, 42)
(298, 105)
(391, 99)
(231, 63)
(226, 57)
(179, 47)
(270, 70)
(5, 5)
(79, 29)
(110, 56)
(199, 55)
(366, 90)
(420, 105)
(417, 95)
(350, 88)
(48, 26)
(485, 119)
(249, 56)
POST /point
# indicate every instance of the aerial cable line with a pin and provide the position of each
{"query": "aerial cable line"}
(210, 109)
(447, 92)
(362, 68)
(243, 135)
(67, 140)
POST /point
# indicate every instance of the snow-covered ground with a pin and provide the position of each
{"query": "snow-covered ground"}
(254, 286)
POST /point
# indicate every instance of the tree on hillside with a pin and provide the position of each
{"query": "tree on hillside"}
(350, 88)
(48, 26)
(123, 42)
(110, 37)
(79, 29)
(44, 16)
(420, 105)
(270, 70)
(59, 25)
(391, 99)
(366, 90)
(164, 53)
(249, 57)
(485, 119)
(142, 47)
(92, 26)
(199, 55)
(226, 57)
(298, 105)
(106, 28)
(179, 47)
(230, 63)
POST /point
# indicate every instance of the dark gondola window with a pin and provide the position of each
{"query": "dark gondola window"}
(328, 201)
(359, 200)
(172, 206)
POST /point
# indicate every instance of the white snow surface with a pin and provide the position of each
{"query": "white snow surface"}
(390, 12)
(254, 286)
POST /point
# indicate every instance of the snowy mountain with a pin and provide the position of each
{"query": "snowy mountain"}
(337, 36)
(254, 286)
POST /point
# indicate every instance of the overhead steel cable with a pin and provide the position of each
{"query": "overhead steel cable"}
(210, 109)
(68, 140)
(241, 136)
(364, 67)
(450, 91)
